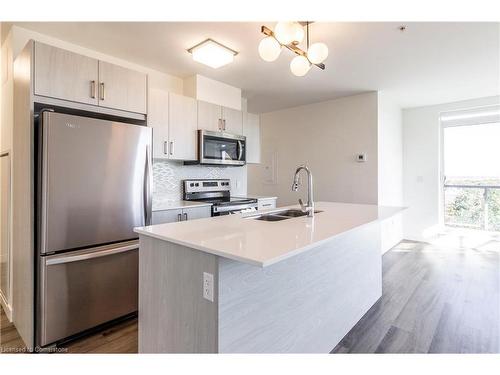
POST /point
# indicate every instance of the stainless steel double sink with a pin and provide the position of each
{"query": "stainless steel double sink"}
(280, 215)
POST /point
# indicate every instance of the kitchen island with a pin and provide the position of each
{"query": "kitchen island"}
(296, 285)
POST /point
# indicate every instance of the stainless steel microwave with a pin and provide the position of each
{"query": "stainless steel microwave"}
(219, 148)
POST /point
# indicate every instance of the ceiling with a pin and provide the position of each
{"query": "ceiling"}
(429, 63)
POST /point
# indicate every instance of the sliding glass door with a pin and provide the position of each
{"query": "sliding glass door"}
(471, 173)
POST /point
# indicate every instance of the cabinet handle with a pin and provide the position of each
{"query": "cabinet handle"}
(185, 216)
(165, 147)
(171, 147)
(102, 94)
(224, 122)
(219, 124)
(179, 217)
(92, 89)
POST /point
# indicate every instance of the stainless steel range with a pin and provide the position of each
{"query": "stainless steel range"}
(217, 192)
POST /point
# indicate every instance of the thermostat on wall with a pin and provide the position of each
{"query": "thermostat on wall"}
(361, 158)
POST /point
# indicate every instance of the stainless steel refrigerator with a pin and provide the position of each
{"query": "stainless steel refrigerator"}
(93, 187)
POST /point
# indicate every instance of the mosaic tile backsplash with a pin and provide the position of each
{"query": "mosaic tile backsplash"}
(168, 176)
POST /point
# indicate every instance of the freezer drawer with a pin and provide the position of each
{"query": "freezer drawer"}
(82, 289)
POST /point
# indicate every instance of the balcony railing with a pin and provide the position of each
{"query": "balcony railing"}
(472, 206)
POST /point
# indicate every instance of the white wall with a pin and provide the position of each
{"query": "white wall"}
(326, 136)
(421, 165)
(390, 167)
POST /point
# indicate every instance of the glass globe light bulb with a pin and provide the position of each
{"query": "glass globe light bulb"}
(285, 32)
(300, 66)
(317, 53)
(269, 49)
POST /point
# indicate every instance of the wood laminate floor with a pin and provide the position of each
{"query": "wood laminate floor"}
(121, 338)
(435, 300)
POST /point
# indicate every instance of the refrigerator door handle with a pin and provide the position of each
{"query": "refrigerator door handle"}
(147, 188)
(43, 165)
(69, 258)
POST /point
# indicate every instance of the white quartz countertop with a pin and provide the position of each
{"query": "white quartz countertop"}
(263, 243)
(174, 205)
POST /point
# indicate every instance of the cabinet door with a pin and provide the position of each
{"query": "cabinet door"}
(65, 75)
(122, 88)
(166, 216)
(251, 130)
(209, 116)
(233, 120)
(158, 120)
(182, 133)
(196, 213)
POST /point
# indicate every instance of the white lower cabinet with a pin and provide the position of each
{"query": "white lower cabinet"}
(166, 216)
(196, 212)
(181, 214)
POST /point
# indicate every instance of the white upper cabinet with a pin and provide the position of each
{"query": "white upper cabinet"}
(217, 118)
(251, 130)
(65, 75)
(232, 120)
(183, 126)
(209, 116)
(122, 88)
(69, 76)
(158, 120)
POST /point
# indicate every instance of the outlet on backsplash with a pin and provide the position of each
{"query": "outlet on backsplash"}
(168, 176)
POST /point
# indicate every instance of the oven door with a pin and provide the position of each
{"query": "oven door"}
(233, 209)
(221, 148)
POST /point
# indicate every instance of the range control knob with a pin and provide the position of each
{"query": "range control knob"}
(197, 184)
(191, 184)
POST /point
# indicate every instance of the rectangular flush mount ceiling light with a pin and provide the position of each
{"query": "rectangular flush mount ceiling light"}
(212, 53)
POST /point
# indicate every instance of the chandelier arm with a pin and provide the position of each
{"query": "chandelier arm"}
(268, 32)
(307, 33)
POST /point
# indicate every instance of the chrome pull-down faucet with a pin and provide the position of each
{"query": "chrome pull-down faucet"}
(309, 207)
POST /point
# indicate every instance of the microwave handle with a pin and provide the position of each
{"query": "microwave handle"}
(240, 148)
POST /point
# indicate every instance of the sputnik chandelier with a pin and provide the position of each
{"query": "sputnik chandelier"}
(290, 35)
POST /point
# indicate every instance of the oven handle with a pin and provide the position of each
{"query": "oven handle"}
(235, 207)
(69, 258)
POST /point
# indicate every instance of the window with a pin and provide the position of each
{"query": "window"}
(471, 167)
